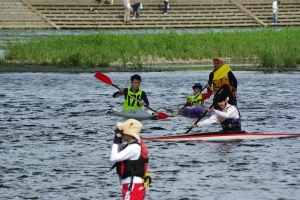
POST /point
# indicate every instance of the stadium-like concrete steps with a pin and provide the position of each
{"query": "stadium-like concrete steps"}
(14, 14)
(75, 14)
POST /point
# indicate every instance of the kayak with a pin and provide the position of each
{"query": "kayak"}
(219, 136)
(138, 114)
(194, 112)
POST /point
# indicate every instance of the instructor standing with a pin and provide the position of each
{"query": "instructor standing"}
(228, 79)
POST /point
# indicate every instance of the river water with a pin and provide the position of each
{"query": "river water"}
(56, 138)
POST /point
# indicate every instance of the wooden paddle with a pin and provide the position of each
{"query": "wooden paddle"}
(107, 80)
(220, 73)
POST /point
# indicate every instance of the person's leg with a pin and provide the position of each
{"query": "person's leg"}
(166, 7)
(125, 14)
(275, 18)
(138, 12)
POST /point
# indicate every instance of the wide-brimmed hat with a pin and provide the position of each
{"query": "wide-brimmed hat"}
(197, 85)
(222, 93)
(131, 127)
(218, 59)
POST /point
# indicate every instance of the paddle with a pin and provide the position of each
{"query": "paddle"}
(221, 90)
(220, 73)
(107, 80)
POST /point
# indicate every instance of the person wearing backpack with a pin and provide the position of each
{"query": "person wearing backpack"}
(131, 160)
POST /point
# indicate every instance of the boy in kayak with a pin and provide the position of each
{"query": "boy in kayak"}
(197, 98)
(131, 159)
(132, 94)
(229, 115)
(228, 79)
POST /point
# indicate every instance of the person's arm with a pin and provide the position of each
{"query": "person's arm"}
(122, 91)
(210, 79)
(233, 81)
(145, 99)
(207, 95)
(232, 112)
(133, 152)
(211, 120)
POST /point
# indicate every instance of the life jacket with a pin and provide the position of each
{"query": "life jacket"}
(130, 168)
(231, 124)
(130, 103)
(218, 83)
(195, 101)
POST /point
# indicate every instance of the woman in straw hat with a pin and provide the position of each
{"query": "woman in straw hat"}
(229, 115)
(129, 160)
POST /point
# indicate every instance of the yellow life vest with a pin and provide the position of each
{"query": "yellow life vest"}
(130, 103)
(196, 101)
(220, 82)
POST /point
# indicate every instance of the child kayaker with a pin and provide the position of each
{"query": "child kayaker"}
(197, 98)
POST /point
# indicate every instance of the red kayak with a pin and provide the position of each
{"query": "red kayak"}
(218, 136)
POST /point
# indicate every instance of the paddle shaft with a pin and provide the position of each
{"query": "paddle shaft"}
(135, 98)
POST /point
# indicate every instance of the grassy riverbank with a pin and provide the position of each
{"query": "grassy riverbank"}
(271, 48)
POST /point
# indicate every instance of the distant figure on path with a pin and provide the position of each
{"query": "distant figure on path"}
(166, 3)
(126, 4)
(275, 9)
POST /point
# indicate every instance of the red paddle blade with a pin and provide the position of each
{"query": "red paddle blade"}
(162, 115)
(103, 78)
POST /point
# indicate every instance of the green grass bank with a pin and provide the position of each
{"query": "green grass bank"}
(271, 48)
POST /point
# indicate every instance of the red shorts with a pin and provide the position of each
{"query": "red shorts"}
(138, 192)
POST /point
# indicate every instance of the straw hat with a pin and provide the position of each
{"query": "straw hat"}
(131, 127)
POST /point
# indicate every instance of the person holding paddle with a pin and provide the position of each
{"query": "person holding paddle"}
(197, 98)
(132, 94)
(228, 79)
(229, 115)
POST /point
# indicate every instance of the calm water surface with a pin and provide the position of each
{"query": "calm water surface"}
(56, 138)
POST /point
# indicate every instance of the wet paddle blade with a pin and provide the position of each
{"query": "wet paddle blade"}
(221, 72)
(175, 113)
(103, 78)
(162, 115)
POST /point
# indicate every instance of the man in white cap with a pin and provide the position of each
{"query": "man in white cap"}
(129, 160)
(229, 115)
(228, 79)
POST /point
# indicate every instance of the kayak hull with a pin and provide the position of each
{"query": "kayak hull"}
(139, 114)
(194, 112)
(219, 136)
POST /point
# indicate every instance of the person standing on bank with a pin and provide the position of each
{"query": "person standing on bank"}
(275, 9)
(166, 4)
(229, 115)
(129, 159)
(136, 9)
(126, 4)
(228, 79)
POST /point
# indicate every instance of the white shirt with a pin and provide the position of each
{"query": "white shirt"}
(126, 3)
(232, 112)
(132, 152)
(274, 7)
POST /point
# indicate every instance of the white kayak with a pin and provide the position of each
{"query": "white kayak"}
(219, 136)
(138, 114)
